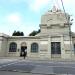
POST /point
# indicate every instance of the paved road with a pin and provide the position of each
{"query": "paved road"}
(37, 67)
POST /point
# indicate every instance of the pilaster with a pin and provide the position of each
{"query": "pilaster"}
(49, 46)
(62, 47)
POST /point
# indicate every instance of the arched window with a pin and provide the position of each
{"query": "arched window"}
(34, 47)
(12, 47)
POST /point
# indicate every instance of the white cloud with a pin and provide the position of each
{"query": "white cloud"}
(13, 19)
(38, 4)
(66, 3)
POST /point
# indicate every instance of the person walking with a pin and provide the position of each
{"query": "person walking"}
(24, 54)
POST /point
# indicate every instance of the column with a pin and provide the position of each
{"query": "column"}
(62, 47)
(28, 49)
(49, 46)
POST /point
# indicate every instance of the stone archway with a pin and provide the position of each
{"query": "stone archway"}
(23, 48)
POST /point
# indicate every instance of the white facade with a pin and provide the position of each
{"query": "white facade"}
(52, 42)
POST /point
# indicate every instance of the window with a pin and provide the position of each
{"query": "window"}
(12, 47)
(34, 47)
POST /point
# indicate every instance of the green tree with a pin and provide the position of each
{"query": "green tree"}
(34, 33)
(17, 33)
(38, 31)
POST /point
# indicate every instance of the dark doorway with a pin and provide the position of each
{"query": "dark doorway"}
(55, 48)
(23, 48)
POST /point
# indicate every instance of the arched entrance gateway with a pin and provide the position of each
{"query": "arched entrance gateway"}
(23, 48)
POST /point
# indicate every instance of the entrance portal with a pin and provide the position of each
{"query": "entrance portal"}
(23, 48)
(55, 49)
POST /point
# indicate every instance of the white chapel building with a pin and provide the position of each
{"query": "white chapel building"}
(54, 40)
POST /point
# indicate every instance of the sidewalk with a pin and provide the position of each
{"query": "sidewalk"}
(38, 59)
(9, 59)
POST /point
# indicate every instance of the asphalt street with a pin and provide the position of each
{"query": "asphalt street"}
(36, 67)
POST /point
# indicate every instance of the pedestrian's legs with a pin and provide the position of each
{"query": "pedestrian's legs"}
(24, 56)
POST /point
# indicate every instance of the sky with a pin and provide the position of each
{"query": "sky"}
(25, 15)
